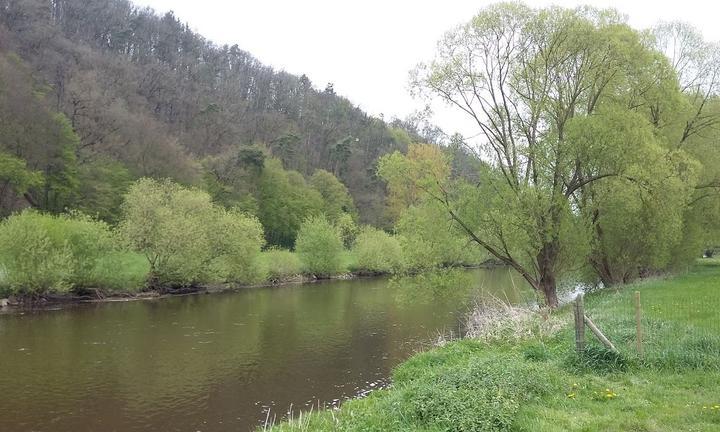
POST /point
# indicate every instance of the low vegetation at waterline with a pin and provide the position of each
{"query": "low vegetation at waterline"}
(526, 376)
(171, 236)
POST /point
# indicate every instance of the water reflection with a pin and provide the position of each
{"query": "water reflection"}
(217, 362)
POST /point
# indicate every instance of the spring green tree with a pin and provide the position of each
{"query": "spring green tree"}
(336, 198)
(285, 201)
(531, 80)
(186, 238)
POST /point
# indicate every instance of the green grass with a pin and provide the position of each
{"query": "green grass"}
(540, 384)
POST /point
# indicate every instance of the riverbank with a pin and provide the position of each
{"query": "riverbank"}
(95, 295)
(529, 377)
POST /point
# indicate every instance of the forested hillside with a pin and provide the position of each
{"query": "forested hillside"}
(97, 93)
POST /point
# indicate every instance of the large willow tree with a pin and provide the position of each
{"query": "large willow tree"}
(563, 101)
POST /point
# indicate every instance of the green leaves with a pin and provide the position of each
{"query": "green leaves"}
(319, 247)
(186, 238)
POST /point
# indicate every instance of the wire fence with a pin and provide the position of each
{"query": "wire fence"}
(673, 325)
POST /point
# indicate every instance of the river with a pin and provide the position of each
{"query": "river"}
(221, 362)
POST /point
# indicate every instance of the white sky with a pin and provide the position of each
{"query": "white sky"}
(367, 48)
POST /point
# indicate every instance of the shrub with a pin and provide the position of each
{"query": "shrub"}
(377, 251)
(319, 247)
(121, 271)
(167, 223)
(280, 263)
(347, 228)
(41, 253)
(236, 240)
(186, 238)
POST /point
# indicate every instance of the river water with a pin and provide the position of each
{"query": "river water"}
(221, 362)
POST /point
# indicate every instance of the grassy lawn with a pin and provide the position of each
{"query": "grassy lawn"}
(539, 383)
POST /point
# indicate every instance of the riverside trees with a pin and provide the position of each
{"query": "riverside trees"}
(574, 112)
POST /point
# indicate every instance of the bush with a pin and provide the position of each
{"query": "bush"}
(186, 238)
(377, 251)
(236, 240)
(121, 271)
(166, 223)
(279, 263)
(41, 253)
(320, 247)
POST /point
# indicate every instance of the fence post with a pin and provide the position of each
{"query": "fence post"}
(598, 334)
(579, 324)
(638, 325)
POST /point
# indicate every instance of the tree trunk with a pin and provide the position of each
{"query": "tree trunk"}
(547, 283)
(548, 286)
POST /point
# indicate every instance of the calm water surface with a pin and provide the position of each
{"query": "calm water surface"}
(220, 362)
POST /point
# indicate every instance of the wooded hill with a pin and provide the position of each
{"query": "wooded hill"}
(97, 93)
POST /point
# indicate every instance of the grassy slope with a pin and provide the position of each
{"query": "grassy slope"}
(540, 384)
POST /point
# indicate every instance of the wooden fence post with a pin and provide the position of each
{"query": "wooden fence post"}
(579, 324)
(638, 325)
(598, 334)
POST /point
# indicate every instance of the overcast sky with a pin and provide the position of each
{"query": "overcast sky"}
(367, 48)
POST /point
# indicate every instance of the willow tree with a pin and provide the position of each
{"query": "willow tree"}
(551, 93)
(649, 226)
(696, 130)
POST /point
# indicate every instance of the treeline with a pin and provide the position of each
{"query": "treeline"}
(95, 94)
(169, 236)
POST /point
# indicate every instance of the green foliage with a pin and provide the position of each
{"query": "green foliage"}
(236, 240)
(15, 176)
(102, 184)
(377, 251)
(285, 201)
(41, 253)
(430, 239)
(542, 203)
(120, 271)
(61, 171)
(168, 224)
(320, 247)
(279, 263)
(348, 229)
(187, 239)
(31, 131)
(336, 198)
